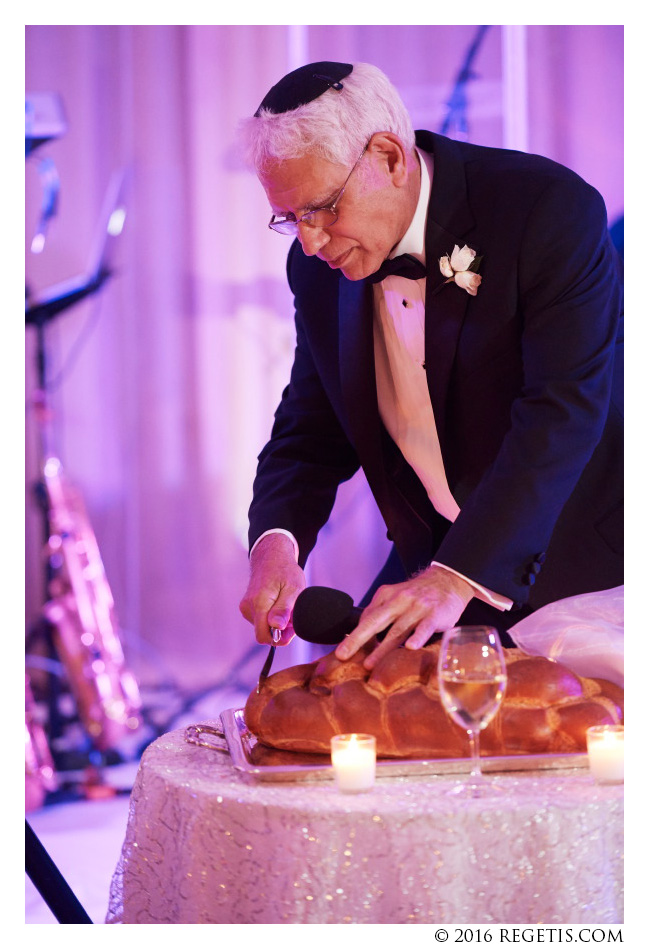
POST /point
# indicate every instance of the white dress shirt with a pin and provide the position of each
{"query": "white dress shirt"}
(402, 389)
(401, 384)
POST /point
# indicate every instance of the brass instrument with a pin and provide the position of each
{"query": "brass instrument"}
(80, 608)
(39, 766)
(82, 614)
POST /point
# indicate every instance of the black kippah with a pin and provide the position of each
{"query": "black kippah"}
(304, 85)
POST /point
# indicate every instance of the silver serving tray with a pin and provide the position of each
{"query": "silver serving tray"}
(240, 744)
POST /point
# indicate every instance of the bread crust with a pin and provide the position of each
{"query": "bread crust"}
(546, 708)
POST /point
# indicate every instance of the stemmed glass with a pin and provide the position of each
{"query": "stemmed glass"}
(472, 679)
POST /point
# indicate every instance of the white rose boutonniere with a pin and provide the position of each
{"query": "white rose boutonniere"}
(461, 267)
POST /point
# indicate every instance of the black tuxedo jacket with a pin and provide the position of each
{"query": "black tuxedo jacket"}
(520, 379)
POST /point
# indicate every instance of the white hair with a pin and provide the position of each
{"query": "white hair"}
(336, 125)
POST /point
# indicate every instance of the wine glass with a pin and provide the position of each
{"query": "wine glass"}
(472, 677)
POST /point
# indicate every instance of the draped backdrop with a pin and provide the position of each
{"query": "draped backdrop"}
(163, 385)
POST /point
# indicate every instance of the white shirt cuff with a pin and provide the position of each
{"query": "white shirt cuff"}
(278, 530)
(482, 593)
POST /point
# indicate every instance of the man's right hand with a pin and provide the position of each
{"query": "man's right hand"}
(276, 580)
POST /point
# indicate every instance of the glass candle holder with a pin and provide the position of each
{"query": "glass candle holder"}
(606, 753)
(353, 757)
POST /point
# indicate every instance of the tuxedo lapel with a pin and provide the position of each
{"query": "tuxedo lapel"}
(446, 306)
(357, 373)
(449, 218)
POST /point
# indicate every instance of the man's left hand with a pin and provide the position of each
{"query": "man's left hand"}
(431, 602)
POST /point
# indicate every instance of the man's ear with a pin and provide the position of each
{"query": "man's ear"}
(391, 155)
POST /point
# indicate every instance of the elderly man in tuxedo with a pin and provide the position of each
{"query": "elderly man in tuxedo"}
(457, 313)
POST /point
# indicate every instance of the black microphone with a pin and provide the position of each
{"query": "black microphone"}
(323, 615)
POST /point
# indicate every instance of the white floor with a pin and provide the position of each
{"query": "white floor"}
(84, 838)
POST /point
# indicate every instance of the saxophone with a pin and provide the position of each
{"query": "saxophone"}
(39, 765)
(82, 615)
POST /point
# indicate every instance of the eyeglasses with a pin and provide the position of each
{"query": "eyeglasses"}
(318, 217)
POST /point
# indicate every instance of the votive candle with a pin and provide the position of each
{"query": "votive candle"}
(353, 757)
(606, 753)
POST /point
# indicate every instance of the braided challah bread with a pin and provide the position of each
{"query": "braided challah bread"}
(546, 707)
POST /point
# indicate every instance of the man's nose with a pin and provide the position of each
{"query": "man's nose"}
(312, 238)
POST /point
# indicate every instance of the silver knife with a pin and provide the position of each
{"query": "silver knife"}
(277, 635)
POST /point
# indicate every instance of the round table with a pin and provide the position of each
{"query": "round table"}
(206, 844)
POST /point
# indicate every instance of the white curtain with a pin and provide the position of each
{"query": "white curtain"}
(163, 385)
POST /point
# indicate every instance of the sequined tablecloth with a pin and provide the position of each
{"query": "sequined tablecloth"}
(205, 844)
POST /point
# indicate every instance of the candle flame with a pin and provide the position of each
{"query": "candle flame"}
(611, 738)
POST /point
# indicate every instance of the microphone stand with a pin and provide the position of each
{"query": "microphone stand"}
(39, 316)
(457, 103)
(50, 883)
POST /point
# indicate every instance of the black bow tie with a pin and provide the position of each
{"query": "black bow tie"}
(404, 266)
